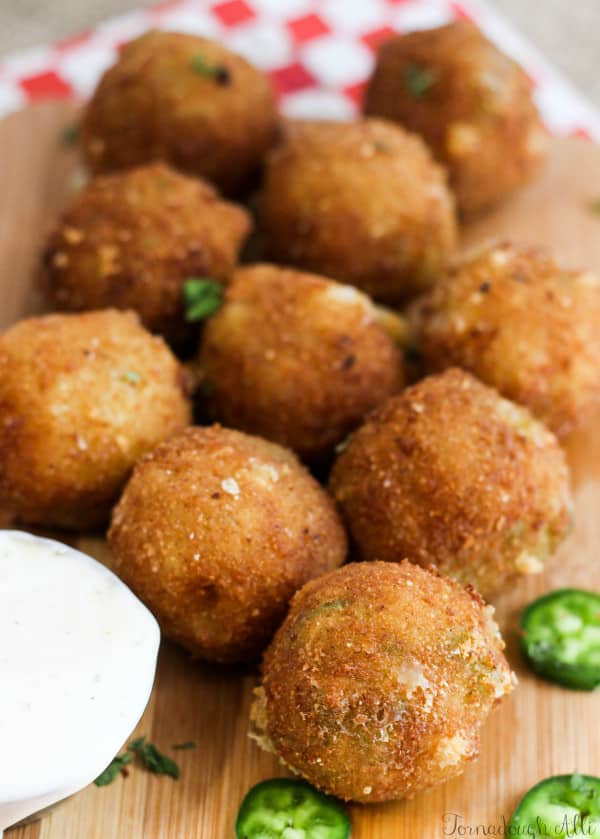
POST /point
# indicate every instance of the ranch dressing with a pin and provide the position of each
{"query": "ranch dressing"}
(77, 660)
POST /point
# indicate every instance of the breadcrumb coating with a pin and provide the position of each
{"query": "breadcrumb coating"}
(215, 531)
(186, 100)
(81, 398)
(376, 685)
(470, 102)
(450, 474)
(297, 358)
(521, 323)
(132, 239)
(360, 202)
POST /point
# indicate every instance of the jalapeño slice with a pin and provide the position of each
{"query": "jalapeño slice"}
(560, 637)
(562, 806)
(285, 808)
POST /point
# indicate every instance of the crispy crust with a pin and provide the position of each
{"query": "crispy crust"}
(81, 398)
(377, 683)
(155, 104)
(478, 114)
(523, 324)
(450, 474)
(130, 240)
(215, 532)
(297, 358)
(360, 202)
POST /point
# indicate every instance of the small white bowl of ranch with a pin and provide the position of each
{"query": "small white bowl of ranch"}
(77, 662)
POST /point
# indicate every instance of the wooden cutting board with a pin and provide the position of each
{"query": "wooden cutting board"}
(541, 730)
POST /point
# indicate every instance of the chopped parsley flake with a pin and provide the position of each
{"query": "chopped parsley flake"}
(220, 74)
(595, 206)
(152, 759)
(207, 387)
(343, 444)
(148, 755)
(381, 147)
(112, 770)
(418, 80)
(70, 135)
(202, 297)
(412, 354)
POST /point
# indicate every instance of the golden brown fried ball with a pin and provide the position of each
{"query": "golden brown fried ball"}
(297, 358)
(132, 239)
(469, 101)
(215, 532)
(523, 324)
(360, 202)
(81, 398)
(184, 99)
(378, 682)
(452, 475)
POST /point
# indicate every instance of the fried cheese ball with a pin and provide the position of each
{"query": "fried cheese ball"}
(470, 102)
(522, 324)
(378, 682)
(184, 99)
(215, 532)
(450, 474)
(132, 239)
(297, 358)
(361, 202)
(81, 398)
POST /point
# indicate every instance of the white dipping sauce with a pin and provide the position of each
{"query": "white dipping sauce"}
(77, 661)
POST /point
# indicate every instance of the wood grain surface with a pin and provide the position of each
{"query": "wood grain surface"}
(541, 730)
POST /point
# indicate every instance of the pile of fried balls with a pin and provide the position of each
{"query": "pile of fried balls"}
(376, 447)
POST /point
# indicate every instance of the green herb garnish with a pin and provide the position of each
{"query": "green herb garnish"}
(381, 147)
(217, 72)
(152, 759)
(148, 755)
(202, 297)
(70, 135)
(207, 388)
(412, 354)
(595, 206)
(112, 770)
(189, 744)
(418, 80)
(131, 376)
(343, 444)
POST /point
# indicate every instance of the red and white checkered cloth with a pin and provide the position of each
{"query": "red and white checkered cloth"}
(319, 53)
